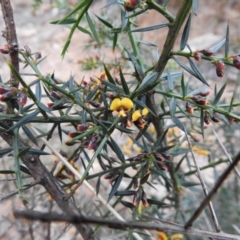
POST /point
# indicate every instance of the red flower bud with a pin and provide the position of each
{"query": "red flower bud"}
(6, 96)
(164, 168)
(50, 105)
(69, 143)
(236, 62)
(136, 198)
(206, 118)
(144, 199)
(197, 56)
(82, 127)
(38, 55)
(73, 134)
(199, 100)
(215, 118)
(92, 143)
(203, 94)
(189, 108)
(4, 51)
(166, 155)
(159, 157)
(130, 5)
(220, 65)
(95, 104)
(22, 99)
(56, 94)
(207, 53)
(219, 73)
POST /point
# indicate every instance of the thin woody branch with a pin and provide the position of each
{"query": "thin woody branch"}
(160, 226)
(218, 184)
(11, 37)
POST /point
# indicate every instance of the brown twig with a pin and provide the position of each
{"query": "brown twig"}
(11, 37)
(212, 192)
(160, 226)
(204, 187)
(17, 191)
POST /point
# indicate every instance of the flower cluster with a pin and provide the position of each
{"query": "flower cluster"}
(140, 195)
(89, 141)
(199, 98)
(123, 106)
(8, 93)
(112, 176)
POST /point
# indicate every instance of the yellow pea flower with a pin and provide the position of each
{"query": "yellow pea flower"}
(137, 117)
(162, 236)
(121, 106)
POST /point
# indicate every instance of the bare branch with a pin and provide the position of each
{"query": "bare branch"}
(160, 226)
(204, 203)
(11, 37)
(204, 187)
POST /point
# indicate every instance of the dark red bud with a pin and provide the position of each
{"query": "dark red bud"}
(73, 134)
(50, 105)
(158, 157)
(113, 178)
(4, 51)
(215, 118)
(203, 94)
(206, 118)
(164, 168)
(22, 100)
(144, 199)
(56, 95)
(189, 108)
(38, 55)
(69, 143)
(236, 62)
(95, 104)
(128, 8)
(207, 53)
(92, 143)
(117, 81)
(6, 96)
(199, 100)
(197, 56)
(84, 83)
(219, 73)
(136, 199)
(166, 155)
(82, 127)
(138, 157)
(220, 65)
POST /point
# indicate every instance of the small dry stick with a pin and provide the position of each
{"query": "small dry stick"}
(162, 226)
(218, 184)
(226, 153)
(11, 37)
(204, 187)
